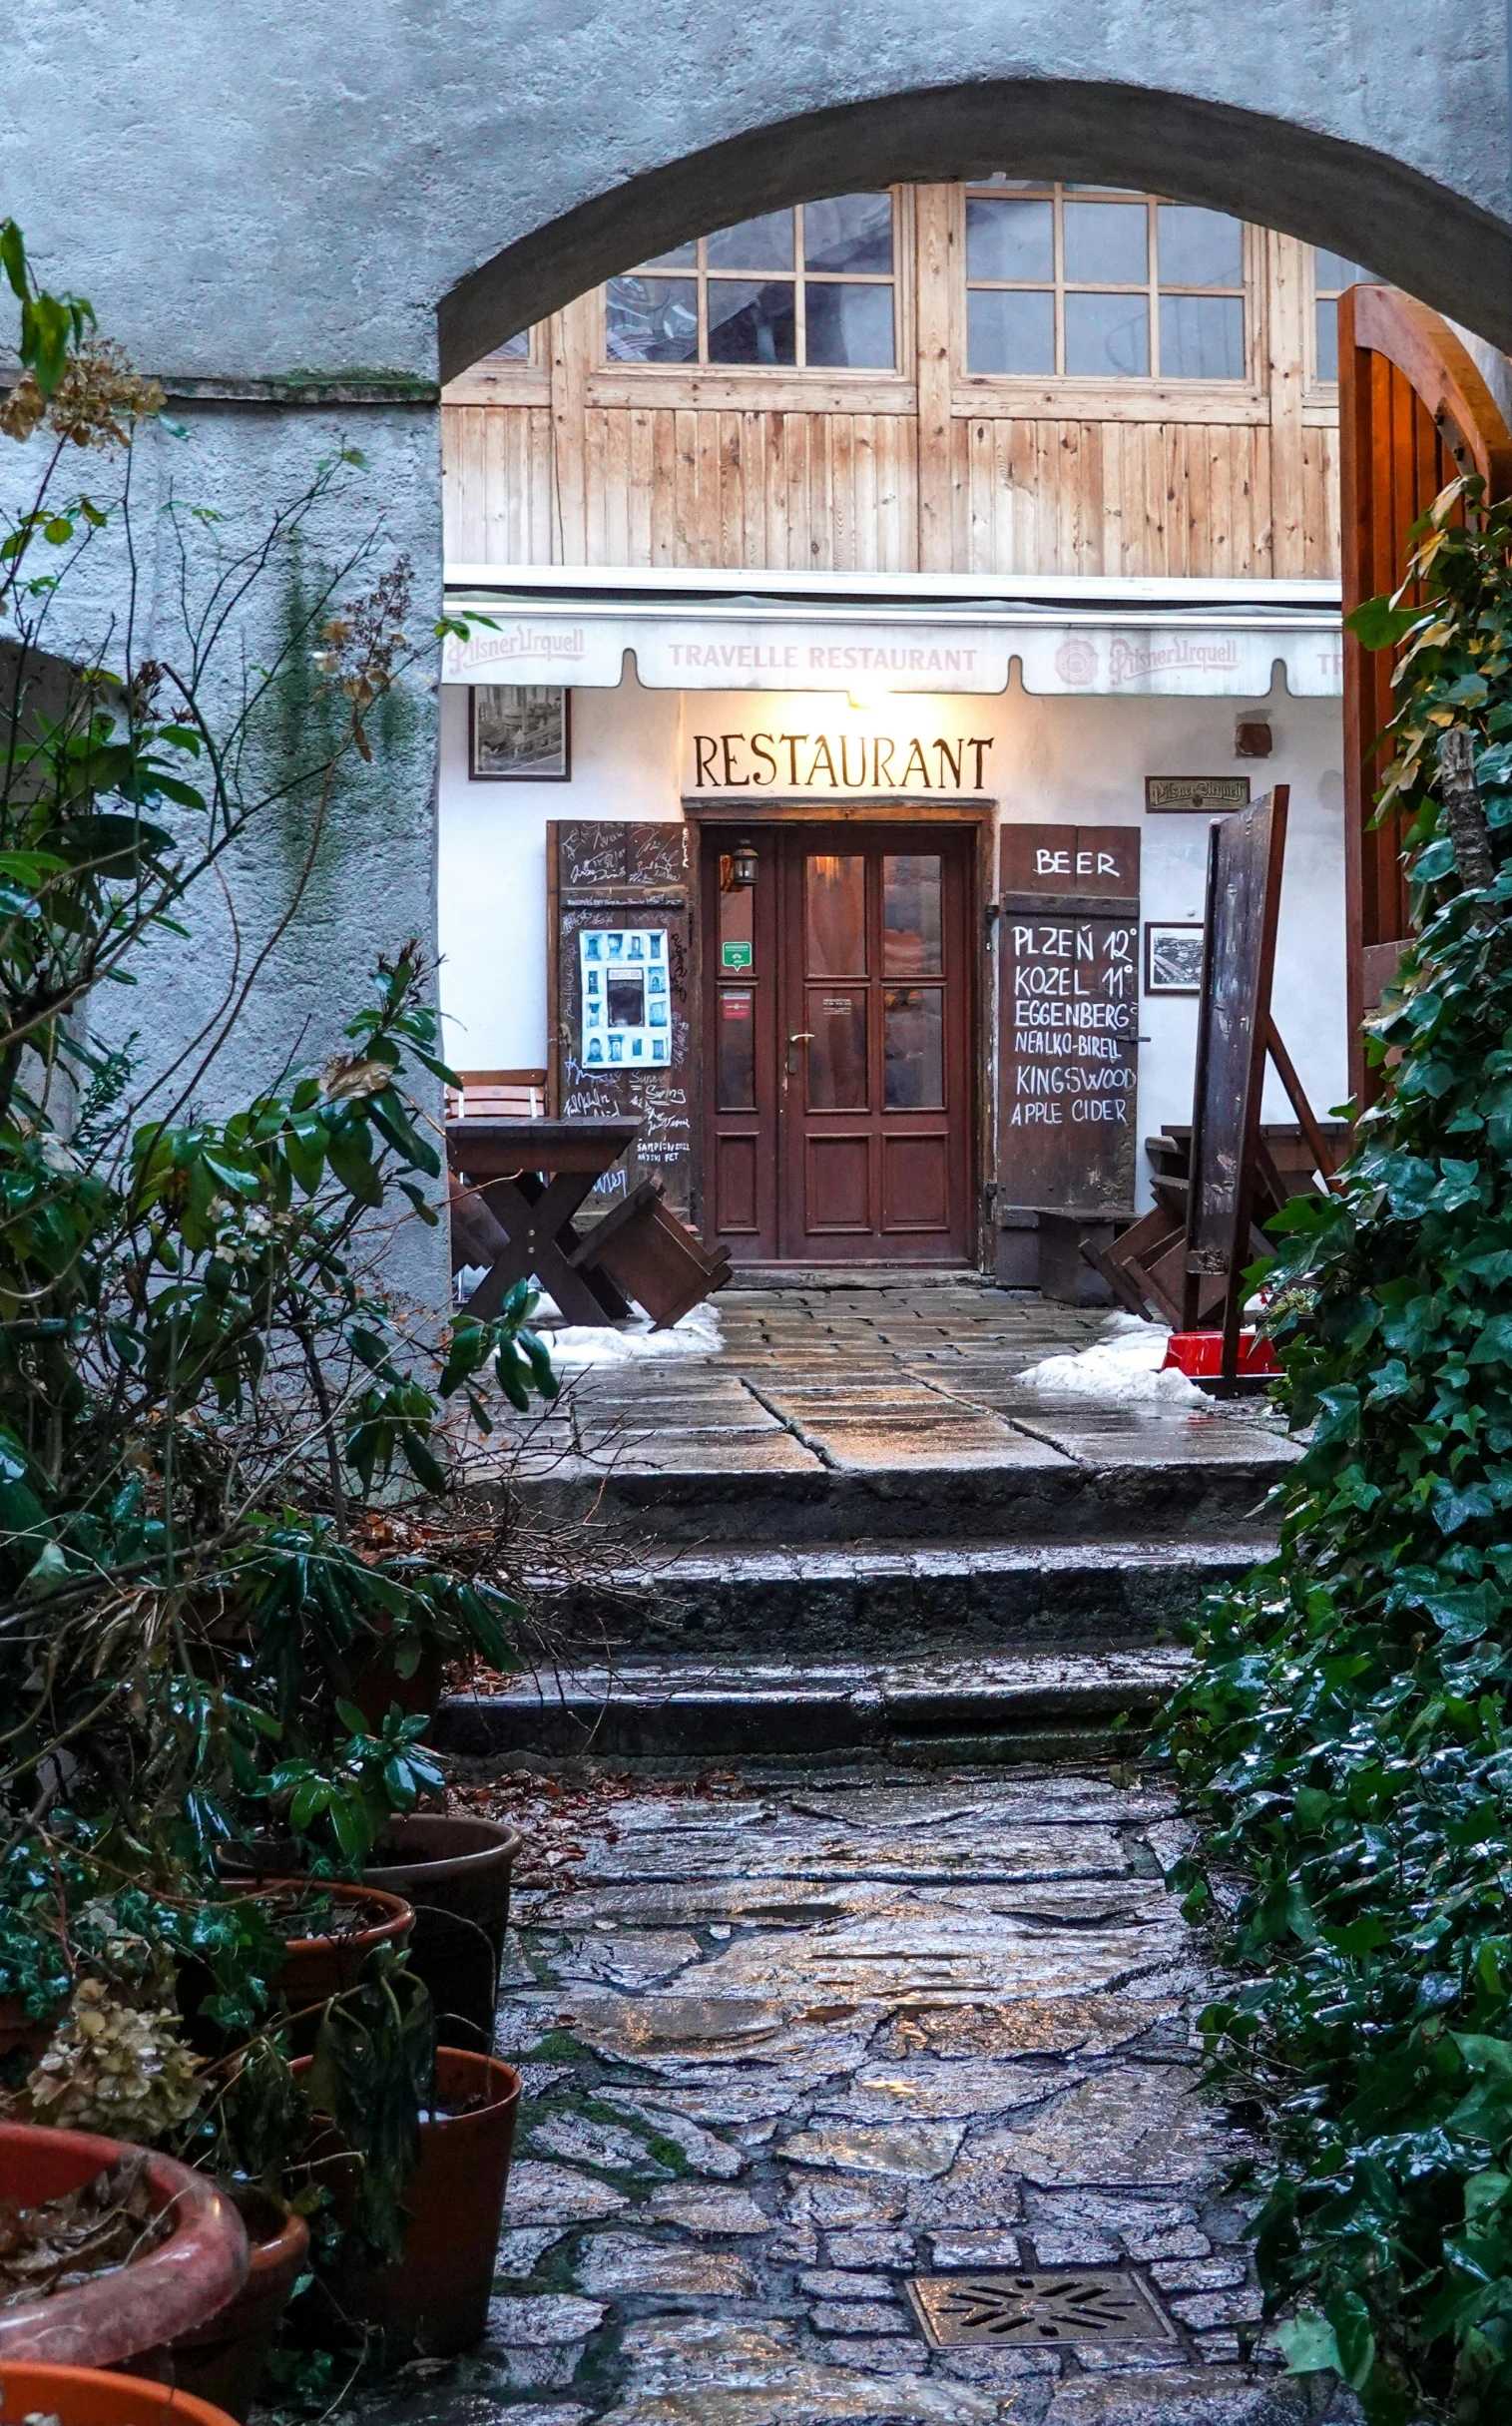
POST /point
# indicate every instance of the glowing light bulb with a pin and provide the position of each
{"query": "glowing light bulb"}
(867, 693)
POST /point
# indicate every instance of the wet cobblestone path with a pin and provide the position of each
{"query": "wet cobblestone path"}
(790, 2047)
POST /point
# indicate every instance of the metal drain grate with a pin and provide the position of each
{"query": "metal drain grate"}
(1075, 2304)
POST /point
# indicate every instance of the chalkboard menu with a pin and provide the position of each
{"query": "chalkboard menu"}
(1068, 1027)
(618, 892)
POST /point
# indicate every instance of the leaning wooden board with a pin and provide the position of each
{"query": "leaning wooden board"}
(1068, 1028)
(1245, 858)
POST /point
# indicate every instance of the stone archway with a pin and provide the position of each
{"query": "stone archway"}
(1414, 229)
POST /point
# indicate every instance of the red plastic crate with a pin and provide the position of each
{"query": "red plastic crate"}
(1200, 1355)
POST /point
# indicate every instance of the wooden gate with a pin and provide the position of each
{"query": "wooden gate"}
(1414, 413)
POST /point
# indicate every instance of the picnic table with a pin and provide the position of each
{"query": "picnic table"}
(523, 1183)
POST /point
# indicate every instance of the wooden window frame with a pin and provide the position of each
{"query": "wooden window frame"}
(1315, 389)
(1038, 395)
(778, 387)
(498, 380)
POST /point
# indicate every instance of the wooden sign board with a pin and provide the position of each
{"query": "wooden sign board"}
(1068, 1029)
(1197, 796)
(628, 878)
(1245, 858)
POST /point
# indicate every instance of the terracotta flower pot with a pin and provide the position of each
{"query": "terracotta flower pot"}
(122, 2315)
(435, 2299)
(221, 2360)
(314, 1968)
(87, 2396)
(454, 1873)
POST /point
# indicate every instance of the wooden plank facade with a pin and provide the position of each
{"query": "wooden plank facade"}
(567, 458)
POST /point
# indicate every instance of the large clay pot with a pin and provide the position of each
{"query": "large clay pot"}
(126, 2314)
(435, 2301)
(87, 2396)
(314, 1968)
(221, 2360)
(454, 1873)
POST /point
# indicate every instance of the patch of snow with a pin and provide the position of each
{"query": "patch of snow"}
(1122, 1368)
(697, 1335)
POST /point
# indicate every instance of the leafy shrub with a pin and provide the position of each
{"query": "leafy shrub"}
(1348, 1736)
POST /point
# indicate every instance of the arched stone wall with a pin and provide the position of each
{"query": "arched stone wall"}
(1412, 228)
(263, 188)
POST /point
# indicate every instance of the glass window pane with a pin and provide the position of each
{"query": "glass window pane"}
(737, 1046)
(837, 1054)
(913, 1048)
(1107, 336)
(513, 349)
(1106, 242)
(836, 901)
(849, 328)
(652, 320)
(737, 924)
(750, 323)
(1009, 331)
(1328, 339)
(855, 231)
(1200, 247)
(911, 917)
(1010, 241)
(1333, 272)
(1201, 337)
(681, 256)
(754, 244)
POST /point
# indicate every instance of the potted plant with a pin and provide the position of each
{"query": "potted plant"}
(428, 2288)
(77, 2188)
(87, 2396)
(221, 2359)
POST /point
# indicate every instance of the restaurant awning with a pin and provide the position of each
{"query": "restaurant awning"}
(1075, 637)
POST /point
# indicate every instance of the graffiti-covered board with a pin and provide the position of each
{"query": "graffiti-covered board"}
(620, 1038)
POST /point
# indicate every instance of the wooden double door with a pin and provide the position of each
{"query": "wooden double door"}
(837, 1043)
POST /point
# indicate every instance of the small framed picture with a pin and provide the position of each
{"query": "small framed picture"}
(1173, 959)
(519, 732)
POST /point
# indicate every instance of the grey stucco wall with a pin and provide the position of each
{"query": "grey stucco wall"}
(261, 186)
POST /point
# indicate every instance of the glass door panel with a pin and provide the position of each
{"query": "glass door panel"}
(834, 915)
(911, 922)
(837, 1026)
(913, 1048)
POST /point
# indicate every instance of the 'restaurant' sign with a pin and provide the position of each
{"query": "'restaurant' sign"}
(517, 639)
(840, 762)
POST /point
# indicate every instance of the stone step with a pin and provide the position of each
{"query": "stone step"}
(854, 1601)
(943, 1707)
(1150, 1484)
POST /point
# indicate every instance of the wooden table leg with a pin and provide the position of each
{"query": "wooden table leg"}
(539, 1223)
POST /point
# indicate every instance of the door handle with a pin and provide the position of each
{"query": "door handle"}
(804, 1036)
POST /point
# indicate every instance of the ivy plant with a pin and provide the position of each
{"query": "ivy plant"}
(1347, 1735)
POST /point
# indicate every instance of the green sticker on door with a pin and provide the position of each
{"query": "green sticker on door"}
(735, 956)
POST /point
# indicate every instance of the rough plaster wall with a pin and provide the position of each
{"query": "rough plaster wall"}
(373, 881)
(261, 186)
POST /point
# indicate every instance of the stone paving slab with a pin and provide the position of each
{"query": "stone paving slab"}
(727, 2176)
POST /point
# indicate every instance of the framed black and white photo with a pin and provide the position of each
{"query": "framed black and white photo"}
(1173, 958)
(519, 732)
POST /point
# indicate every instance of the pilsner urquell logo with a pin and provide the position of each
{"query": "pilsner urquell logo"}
(1174, 652)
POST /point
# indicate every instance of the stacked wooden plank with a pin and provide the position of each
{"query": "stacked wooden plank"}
(1145, 1267)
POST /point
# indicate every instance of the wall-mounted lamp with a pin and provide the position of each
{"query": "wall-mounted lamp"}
(744, 866)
